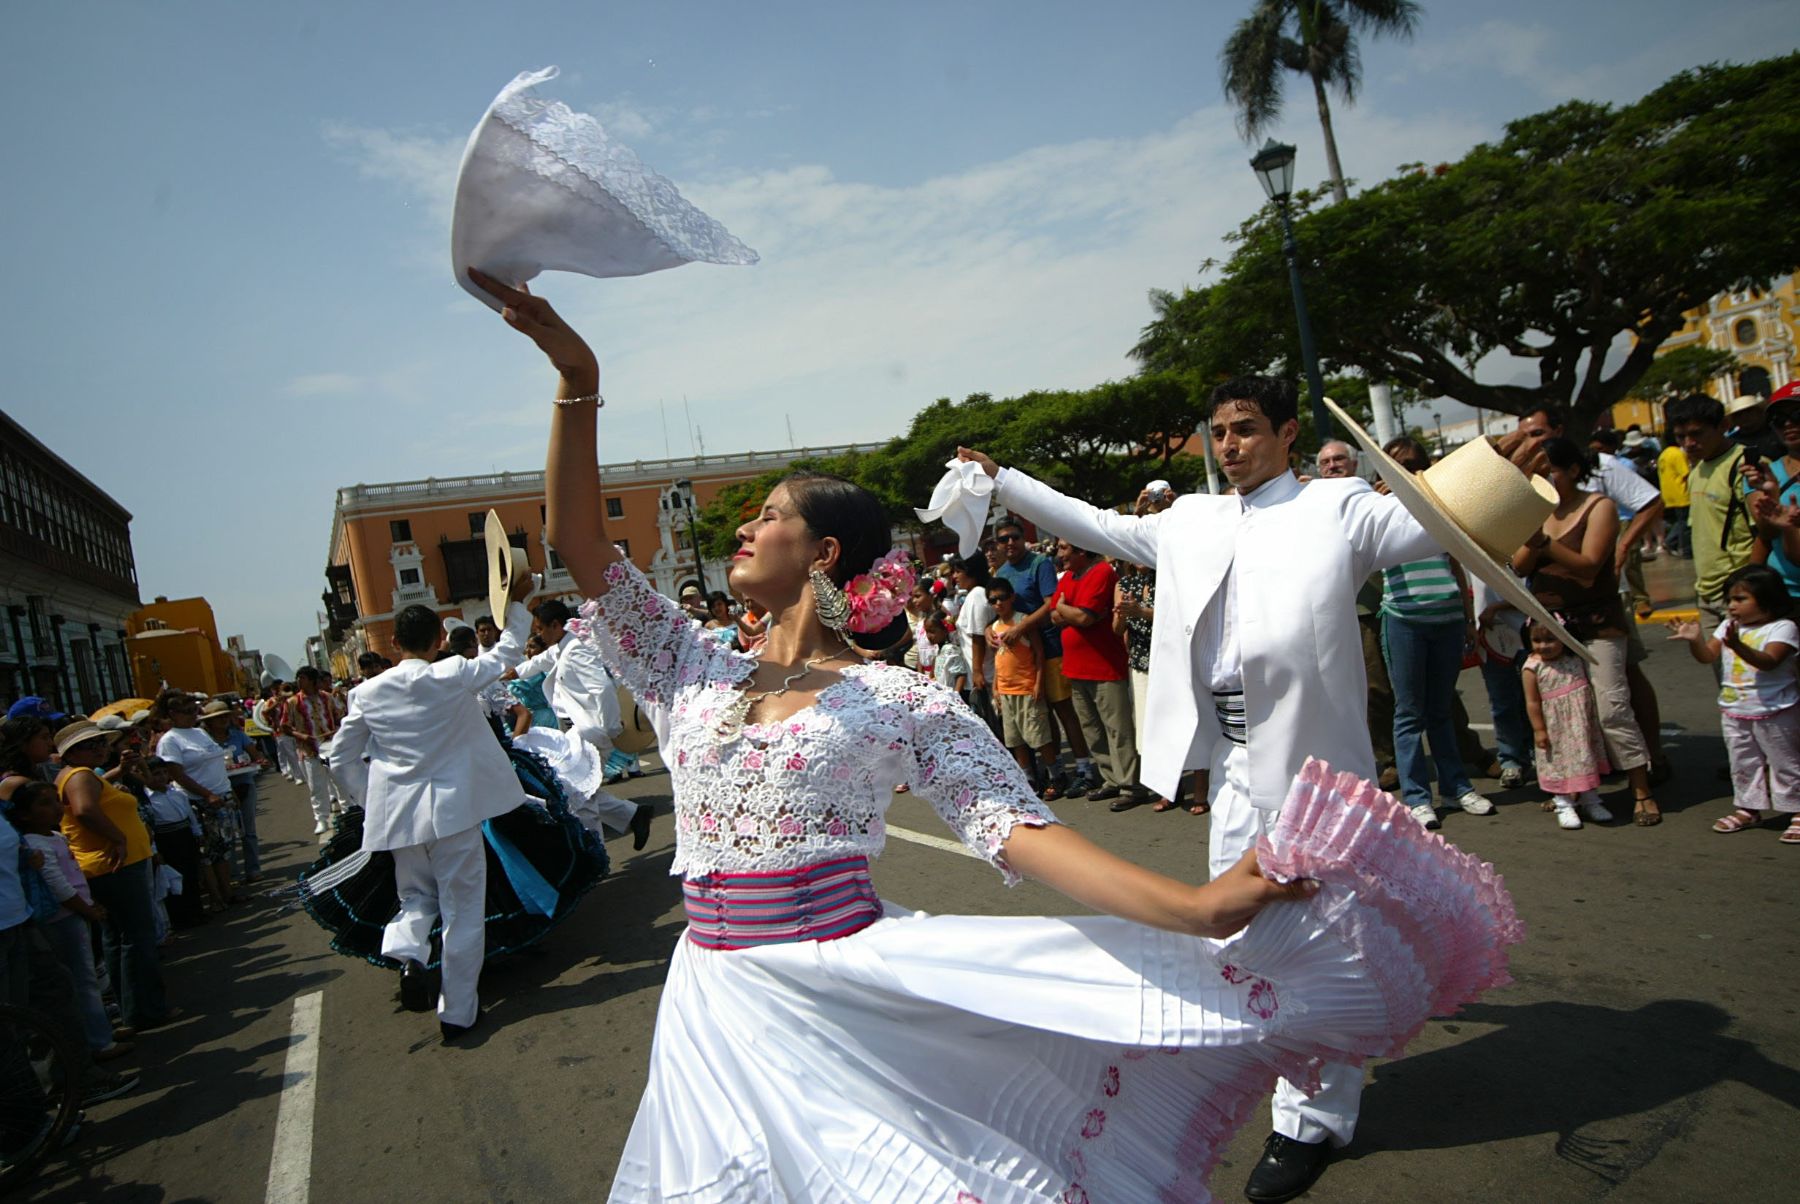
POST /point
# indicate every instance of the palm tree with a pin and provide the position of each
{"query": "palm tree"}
(1316, 38)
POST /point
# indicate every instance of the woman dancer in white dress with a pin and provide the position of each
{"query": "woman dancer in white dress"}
(814, 1043)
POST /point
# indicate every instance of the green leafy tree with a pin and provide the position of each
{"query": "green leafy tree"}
(1314, 38)
(1585, 227)
(1681, 371)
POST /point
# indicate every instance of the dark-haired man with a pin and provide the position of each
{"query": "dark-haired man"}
(314, 714)
(487, 632)
(435, 774)
(1256, 660)
(1033, 578)
(1719, 522)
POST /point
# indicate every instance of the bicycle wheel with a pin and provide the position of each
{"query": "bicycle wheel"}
(40, 1091)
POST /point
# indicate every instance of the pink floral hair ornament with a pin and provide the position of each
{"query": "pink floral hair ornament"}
(878, 596)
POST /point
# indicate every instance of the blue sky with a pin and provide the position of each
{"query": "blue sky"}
(228, 224)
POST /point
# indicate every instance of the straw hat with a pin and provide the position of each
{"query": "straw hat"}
(1479, 508)
(218, 708)
(1745, 401)
(501, 568)
(638, 734)
(80, 732)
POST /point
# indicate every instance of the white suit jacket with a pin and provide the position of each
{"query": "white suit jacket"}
(579, 688)
(1297, 555)
(435, 768)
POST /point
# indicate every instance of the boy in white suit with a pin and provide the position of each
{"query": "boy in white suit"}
(1256, 661)
(435, 774)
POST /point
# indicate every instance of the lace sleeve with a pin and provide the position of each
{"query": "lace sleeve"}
(968, 777)
(647, 643)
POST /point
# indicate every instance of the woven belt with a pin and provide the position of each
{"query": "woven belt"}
(1229, 707)
(774, 907)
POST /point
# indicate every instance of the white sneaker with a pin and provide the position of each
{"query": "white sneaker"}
(1566, 817)
(318, 827)
(1472, 802)
(1426, 816)
(1594, 810)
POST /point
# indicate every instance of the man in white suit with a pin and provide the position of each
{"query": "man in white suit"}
(435, 773)
(1255, 663)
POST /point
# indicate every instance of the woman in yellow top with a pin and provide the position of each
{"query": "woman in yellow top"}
(112, 847)
(1672, 475)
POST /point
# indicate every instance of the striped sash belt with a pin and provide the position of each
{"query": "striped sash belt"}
(772, 907)
(1229, 707)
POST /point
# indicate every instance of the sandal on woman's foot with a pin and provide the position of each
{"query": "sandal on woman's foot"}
(1163, 804)
(1740, 819)
(1646, 814)
(1792, 834)
(1200, 809)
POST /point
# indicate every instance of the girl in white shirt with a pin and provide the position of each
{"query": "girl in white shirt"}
(1759, 696)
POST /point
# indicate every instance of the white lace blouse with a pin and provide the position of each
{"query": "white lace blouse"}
(817, 784)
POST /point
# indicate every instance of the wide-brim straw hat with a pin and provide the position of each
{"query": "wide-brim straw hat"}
(1745, 401)
(80, 732)
(501, 567)
(215, 709)
(638, 733)
(1479, 507)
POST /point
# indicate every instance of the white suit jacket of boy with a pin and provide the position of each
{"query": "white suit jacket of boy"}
(435, 768)
(1297, 554)
(579, 688)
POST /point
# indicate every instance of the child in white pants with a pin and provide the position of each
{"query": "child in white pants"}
(1759, 697)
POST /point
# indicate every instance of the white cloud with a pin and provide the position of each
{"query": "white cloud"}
(423, 165)
(873, 299)
(323, 384)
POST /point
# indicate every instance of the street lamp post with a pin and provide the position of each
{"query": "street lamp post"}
(1274, 167)
(1438, 419)
(685, 492)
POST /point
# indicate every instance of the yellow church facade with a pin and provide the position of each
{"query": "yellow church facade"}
(1758, 325)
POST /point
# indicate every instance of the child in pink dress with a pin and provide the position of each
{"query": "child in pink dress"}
(1560, 699)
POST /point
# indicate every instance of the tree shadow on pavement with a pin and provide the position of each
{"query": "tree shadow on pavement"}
(1611, 1085)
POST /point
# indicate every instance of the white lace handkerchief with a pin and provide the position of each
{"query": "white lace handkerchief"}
(543, 188)
(961, 499)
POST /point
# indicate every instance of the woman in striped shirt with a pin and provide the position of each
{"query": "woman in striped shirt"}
(1427, 626)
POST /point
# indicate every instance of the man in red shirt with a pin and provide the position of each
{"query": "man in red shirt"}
(1098, 673)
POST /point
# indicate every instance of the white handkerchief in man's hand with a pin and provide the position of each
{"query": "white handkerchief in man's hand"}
(543, 188)
(961, 500)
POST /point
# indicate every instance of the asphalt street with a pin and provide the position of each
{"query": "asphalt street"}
(1648, 1051)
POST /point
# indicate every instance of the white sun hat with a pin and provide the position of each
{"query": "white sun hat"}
(1479, 508)
(543, 188)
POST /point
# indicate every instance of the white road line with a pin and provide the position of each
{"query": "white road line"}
(934, 842)
(290, 1166)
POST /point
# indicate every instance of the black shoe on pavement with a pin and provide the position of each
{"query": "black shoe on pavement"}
(1286, 1168)
(1102, 793)
(640, 825)
(103, 1085)
(415, 987)
(453, 1032)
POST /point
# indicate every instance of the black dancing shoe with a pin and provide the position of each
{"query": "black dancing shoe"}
(453, 1032)
(415, 986)
(1286, 1168)
(640, 825)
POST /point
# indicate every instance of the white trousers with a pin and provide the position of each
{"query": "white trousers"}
(321, 787)
(288, 753)
(606, 810)
(445, 878)
(1330, 1115)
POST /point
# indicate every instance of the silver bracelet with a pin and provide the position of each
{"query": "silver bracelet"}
(575, 401)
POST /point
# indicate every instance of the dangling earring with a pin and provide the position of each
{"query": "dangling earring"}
(829, 602)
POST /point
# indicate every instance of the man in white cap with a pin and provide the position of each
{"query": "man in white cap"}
(435, 773)
(1257, 662)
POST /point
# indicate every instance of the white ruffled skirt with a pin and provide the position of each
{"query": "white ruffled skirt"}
(1000, 1060)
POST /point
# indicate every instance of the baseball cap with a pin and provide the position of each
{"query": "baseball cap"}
(31, 706)
(1789, 393)
(1159, 486)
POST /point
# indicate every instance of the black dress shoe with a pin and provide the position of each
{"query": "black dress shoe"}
(1286, 1169)
(415, 987)
(640, 825)
(1101, 793)
(452, 1032)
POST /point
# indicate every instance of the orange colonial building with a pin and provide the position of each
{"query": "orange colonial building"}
(176, 643)
(410, 542)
